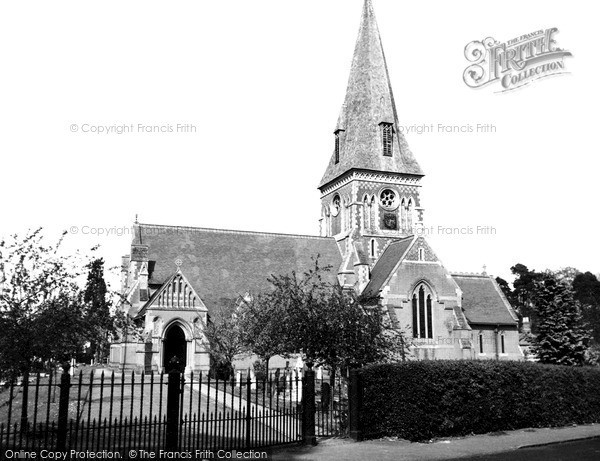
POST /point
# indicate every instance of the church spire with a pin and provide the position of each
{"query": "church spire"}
(367, 133)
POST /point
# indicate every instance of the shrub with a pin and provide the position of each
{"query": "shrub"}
(426, 399)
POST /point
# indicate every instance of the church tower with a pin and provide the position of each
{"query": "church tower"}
(370, 189)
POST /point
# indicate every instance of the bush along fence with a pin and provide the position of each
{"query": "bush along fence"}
(416, 400)
(422, 400)
(172, 412)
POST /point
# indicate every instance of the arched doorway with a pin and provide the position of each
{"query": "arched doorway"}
(174, 349)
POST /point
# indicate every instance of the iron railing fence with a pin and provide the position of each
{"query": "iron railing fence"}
(123, 411)
(84, 412)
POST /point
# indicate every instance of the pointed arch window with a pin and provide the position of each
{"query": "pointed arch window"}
(415, 316)
(387, 131)
(372, 248)
(373, 215)
(403, 218)
(366, 214)
(344, 214)
(409, 215)
(422, 323)
(422, 312)
(429, 317)
(326, 221)
(336, 205)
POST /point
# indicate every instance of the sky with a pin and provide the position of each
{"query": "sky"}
(248, 94)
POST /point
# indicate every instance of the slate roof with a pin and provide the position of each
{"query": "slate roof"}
(483, 301)
(369, 102)
(386, 263)
(222, 265)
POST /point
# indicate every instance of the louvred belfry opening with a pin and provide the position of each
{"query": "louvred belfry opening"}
(337, 146)
(388, 138)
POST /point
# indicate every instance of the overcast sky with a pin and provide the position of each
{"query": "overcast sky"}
(262, 82)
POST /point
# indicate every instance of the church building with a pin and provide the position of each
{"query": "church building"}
(371, 225)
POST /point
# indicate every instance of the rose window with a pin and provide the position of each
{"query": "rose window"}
(388, 199)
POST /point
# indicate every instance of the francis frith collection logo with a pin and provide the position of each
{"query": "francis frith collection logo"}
(514, 63)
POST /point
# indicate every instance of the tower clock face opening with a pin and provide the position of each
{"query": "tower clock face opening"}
(390, 221)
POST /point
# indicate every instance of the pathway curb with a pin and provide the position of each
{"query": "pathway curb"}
(576, 439)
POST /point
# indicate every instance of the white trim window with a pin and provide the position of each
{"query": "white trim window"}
(422, 312)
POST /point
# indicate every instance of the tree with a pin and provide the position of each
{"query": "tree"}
(505, 287)
(44, 314)
(259, 318)
(561, 336)
(326, 324)
(586, 287)
(41, 316)
(566, 275)
(61, 328)
(524, 288)
(40, 304)
(98, 316)
(224, 340)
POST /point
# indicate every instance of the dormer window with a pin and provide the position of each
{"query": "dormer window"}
(337, 145)
(387, 130)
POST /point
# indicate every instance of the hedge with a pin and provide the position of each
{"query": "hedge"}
(421, 400)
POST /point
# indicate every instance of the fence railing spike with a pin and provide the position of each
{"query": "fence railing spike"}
(106, 410)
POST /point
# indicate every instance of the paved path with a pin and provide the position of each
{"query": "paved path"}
(452, 448)
(579, 450)
(233, 401)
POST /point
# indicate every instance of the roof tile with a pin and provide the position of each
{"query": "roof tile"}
(482, 302)
(384, 266)
(222, 265)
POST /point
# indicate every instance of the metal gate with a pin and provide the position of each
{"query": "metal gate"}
(331, 405)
